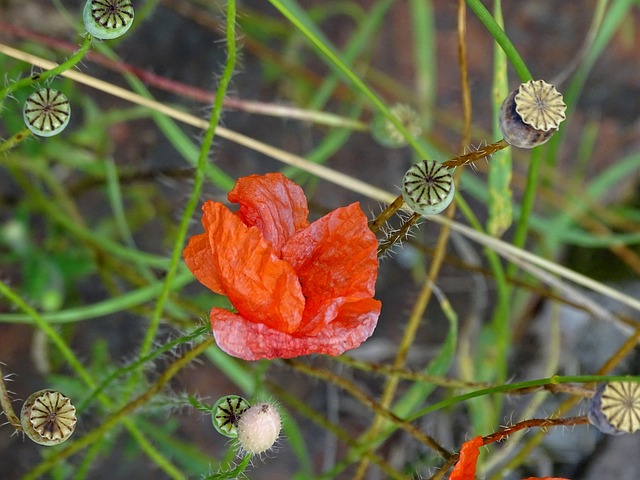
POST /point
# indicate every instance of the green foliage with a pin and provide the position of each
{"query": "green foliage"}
(93, 224)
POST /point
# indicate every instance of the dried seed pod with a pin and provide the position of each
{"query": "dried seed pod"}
(615, 408)
(226, 413)
(48, 417)
(107, 19)
(386, 134)
(428, 188)
(259, 428)
(531, 114)
(46, 112)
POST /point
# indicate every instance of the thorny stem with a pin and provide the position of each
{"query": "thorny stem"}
(5, 402)
(398, 235)
(458, 161)
(122, 414)
(42, 76)
(476, 154)
(500, 435)
(15, 140)
(386, 214)
(368, 401)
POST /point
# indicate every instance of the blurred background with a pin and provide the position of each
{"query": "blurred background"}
(178, 50)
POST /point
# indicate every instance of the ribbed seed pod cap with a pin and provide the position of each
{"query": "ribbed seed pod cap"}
(615, 408)
(531, 114)
(428, 188)
(108, 19)
(226, 414)
(48, 417)
(386, 134)
(46, 112)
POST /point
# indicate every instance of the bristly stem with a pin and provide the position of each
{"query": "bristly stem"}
(42, 76)
(397, 235)
(502, 434)
(476, 154)
(386, 214)
(15, 140)
(458, 161)
(5, 402)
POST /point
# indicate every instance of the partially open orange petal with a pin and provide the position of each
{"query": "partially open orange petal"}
(259, 285)
(198, 257)
(273, 203)
(254, 341)
(465, 469)
(335, 258)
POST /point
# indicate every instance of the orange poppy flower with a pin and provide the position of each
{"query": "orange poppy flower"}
(298, 288)
(465, 469)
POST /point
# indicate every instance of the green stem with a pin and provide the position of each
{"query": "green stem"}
(64, 349)
(292, 13)
(122, 415)
(501, 37)
(42, 76)
(15, 140)
(197, 181)
(7, 408)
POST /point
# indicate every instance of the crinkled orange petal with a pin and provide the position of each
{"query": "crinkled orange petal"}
(254, 341)
(198, 257)
(259, 285)
(465, 469)
(336, 260)
(274, 204)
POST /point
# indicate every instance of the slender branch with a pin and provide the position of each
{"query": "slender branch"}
(7, 408)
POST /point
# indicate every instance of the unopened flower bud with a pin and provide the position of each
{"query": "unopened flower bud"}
(258, 428)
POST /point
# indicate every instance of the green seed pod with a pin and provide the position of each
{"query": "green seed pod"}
(530, 115)
(48, 417)
(107, 19)
(226, 413)
(386, 134)
(615, 408)
(46, 112)
(428, 188)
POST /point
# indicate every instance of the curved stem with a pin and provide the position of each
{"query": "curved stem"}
(7, 408)
(57, 70)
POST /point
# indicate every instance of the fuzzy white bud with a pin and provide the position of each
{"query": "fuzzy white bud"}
(259, 428)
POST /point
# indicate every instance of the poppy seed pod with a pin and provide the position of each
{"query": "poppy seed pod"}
(531, 114)
(107, 19)
(226, 414)
(46, 112)
(48, 417)
(615, 408)
(386, 134)
(258, 428)
(428, 188)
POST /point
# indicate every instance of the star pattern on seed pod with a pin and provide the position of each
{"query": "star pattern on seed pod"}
(428, 187)
(46, 112)
(540, 105)
(48, 417)
(615, 408)
(108, 19)
(226, 413)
